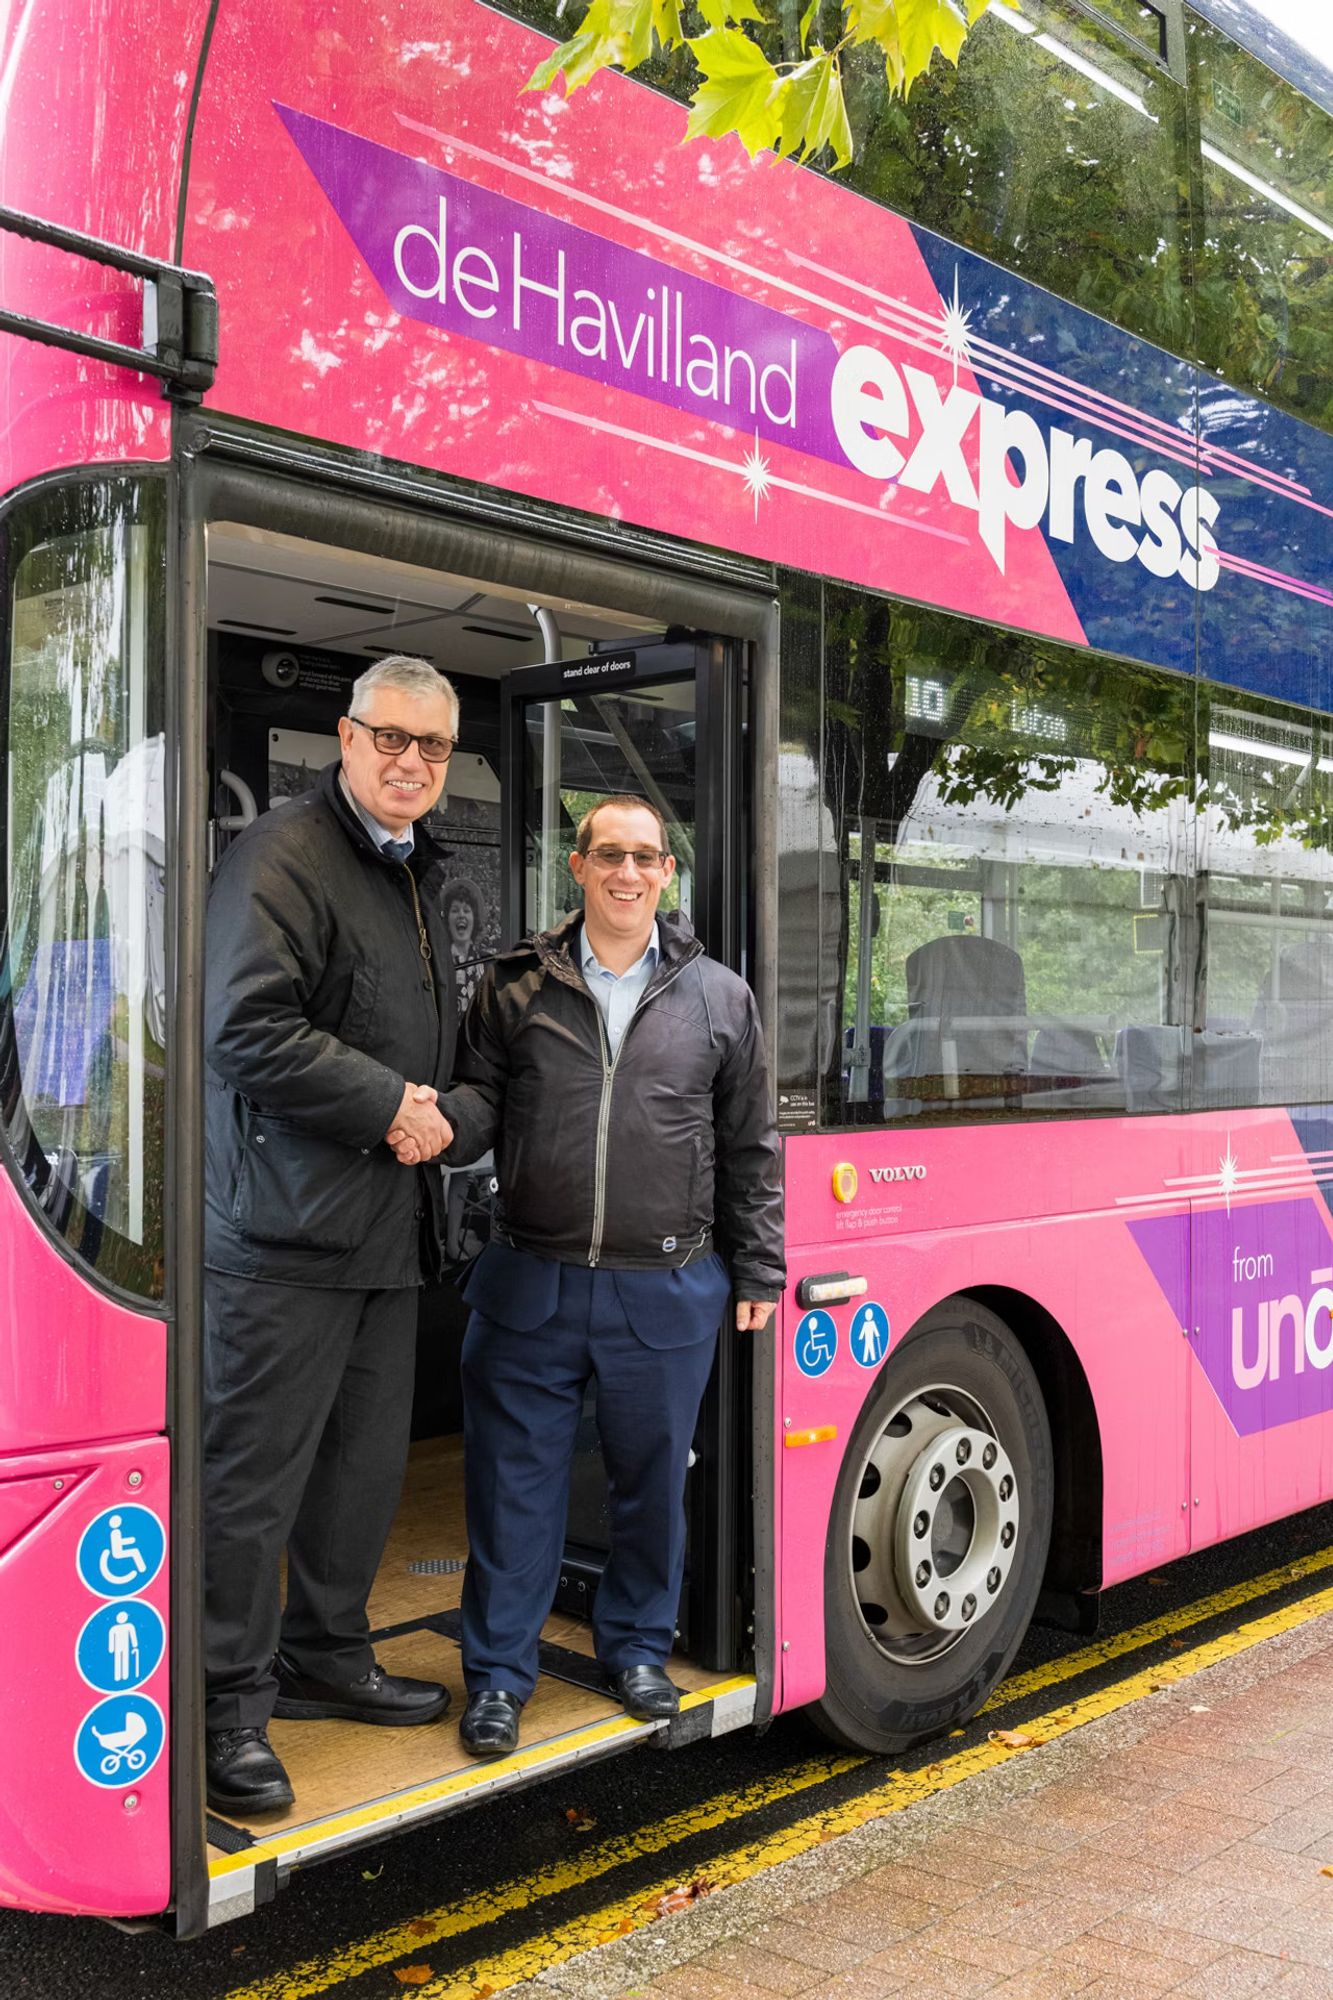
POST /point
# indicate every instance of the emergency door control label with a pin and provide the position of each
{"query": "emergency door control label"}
(121, 1551)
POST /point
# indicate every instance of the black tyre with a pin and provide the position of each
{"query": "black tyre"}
(938, 1539)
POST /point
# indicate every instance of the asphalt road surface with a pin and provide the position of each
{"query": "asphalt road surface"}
(492, 1896)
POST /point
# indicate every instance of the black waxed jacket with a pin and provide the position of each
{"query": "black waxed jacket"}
(634, 1163)
(319, 1005)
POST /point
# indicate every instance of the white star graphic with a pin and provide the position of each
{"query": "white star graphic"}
(758, 478)
(954, 322)
(1228, 1174)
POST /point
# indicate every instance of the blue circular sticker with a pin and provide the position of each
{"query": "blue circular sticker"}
(121, 1551)
(816, 1343)
(869, 1336)
(120, 1740)
(121, 1645)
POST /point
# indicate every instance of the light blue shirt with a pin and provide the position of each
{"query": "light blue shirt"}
(379, 834)
(616, 994)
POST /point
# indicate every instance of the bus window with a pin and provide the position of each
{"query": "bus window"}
(1267, 898)
(1266, 227)
(1014, 854)
(85, 1017)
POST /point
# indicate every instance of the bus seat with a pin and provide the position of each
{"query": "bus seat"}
(1226, 1067)
(1151, 1063)
(968, 1000)
(1066, 1050)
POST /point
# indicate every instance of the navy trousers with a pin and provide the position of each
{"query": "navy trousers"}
(647, 1339)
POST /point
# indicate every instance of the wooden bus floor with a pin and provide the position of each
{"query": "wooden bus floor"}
(336, 1767)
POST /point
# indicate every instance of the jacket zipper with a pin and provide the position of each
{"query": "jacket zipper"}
(427, 955)
(604, 1110)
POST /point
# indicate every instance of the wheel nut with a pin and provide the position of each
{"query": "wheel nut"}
(964, 1451)
(1006, 1486)
(942, 1605)
(992, 1580)
(969, 1606)
(921, 1524)
(936, 1478)
(989, 1456)
(1007, 1535)
(922, 1575)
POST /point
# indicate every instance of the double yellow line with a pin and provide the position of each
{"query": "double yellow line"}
(414, 1939)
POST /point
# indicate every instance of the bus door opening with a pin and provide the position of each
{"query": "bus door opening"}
(661, 721)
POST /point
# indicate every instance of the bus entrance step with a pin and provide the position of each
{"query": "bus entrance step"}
(560, 1662)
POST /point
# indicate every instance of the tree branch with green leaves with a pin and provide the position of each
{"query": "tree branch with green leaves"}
(776, 92)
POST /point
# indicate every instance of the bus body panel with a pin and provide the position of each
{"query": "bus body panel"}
(84, 1589)
(551, 297)
(1156, 1259)
(95, 114)
(85, 1366)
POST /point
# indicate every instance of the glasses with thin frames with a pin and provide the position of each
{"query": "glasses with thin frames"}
(645, 859)
(393, 742)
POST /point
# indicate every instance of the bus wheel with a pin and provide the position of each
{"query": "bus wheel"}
(939, 1533)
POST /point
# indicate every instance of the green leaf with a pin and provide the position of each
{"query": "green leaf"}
(808, 21)
(923, 27)
(877, 21)
(796, 98)
(828, 117)
(738, 93)
(667, 25)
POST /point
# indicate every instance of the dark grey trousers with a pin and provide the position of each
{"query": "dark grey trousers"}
(307, 1415)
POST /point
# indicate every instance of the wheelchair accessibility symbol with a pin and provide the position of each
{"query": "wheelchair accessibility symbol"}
(121, 1551)
(870, 1334)
(119, 1740)
(816, 1343)
(121, 1645)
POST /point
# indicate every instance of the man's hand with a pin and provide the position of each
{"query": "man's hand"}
(419, 1132)
(753, 1315)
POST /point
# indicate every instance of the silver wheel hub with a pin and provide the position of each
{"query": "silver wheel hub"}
(935, 1529)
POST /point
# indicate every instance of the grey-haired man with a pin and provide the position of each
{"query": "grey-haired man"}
(330, 1023)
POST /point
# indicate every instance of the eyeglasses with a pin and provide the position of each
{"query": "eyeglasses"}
(393, 742)
(645, 859)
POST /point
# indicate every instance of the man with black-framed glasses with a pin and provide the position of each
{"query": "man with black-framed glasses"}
(330, 1023)
(620, 1075)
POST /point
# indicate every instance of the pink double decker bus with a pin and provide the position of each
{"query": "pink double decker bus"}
(943, 549)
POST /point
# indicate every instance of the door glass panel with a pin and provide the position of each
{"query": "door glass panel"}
(580, 749)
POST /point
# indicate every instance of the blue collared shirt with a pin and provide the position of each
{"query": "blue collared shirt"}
(381, 835)
(616, 994)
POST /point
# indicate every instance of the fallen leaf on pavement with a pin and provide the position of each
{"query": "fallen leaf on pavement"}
(581, 1821)
(683, 1897)
(1160, 1581)
(412, 1975)
(1326, 1871)
(1177, 1645)
(1200, 1708)
(1014, 1739)
(372, 1874)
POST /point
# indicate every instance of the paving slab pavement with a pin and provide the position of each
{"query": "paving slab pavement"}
(1172, 1847)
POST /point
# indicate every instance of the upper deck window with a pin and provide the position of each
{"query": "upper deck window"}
(84, 1021)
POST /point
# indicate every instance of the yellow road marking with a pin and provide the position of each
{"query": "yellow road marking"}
(488, 1907)
(632, 1913)
(1102, 1651)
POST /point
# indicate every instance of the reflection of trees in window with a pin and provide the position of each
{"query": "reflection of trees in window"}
(85, 873)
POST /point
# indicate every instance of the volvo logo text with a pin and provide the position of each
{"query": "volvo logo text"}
(897, 1173)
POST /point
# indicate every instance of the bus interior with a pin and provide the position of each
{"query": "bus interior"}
(291, 623)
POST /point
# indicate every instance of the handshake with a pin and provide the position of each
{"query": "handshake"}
(419, 1131)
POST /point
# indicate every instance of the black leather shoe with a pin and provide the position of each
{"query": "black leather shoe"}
(489, 1727)
(389, 1699)
(244, 1776)
(646, 1693)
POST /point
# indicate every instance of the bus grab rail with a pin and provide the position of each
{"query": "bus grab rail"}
(180, 312)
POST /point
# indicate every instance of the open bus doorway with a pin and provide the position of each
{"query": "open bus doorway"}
(561, 701)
